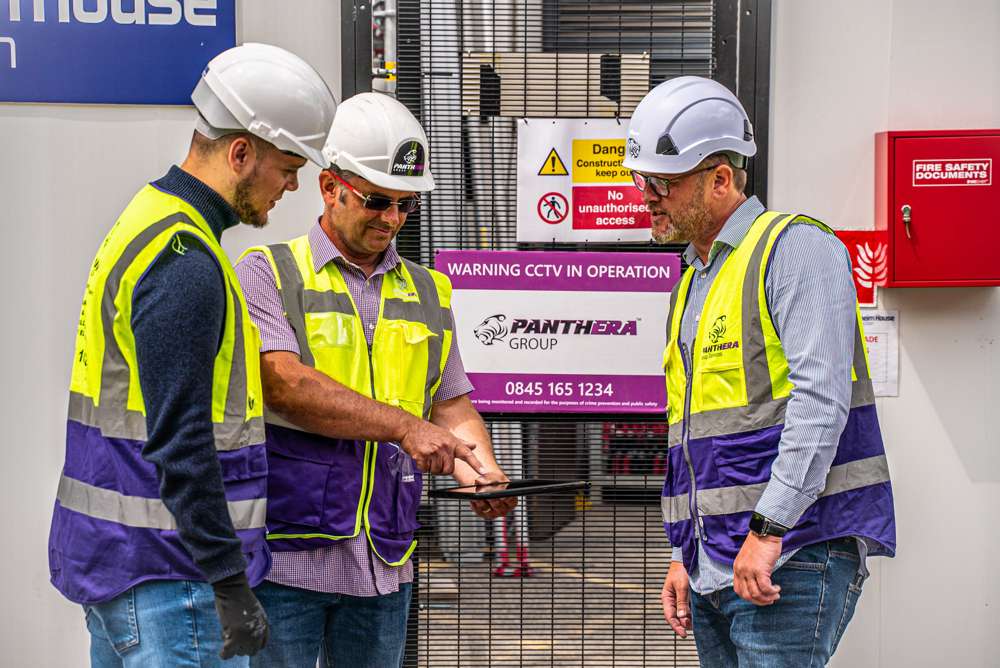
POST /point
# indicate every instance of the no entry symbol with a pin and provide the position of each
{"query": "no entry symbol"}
(553, 208)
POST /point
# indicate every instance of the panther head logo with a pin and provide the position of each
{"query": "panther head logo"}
(633, 147)
(411, 156)
(718, 329)
(491, 329)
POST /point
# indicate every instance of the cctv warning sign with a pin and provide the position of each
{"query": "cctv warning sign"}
(964, 172)
(587, 199)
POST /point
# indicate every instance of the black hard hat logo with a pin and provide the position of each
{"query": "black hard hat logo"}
(408, 159)
(718, 329)
(633, 147)
(491, 329)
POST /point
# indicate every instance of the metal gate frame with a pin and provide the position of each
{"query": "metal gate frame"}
(741, 43)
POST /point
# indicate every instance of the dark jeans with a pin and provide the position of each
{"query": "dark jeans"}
(343, 631)
(820, 586)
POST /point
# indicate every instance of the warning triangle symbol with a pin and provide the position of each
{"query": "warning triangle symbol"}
(553, 165)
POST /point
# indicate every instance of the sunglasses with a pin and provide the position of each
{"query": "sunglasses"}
(376, 202)
(660, 185)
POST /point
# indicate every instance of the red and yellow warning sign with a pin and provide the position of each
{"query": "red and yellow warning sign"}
(571, 185)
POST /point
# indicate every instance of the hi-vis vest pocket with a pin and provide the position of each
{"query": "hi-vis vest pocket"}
(412, 333)
(722, 386)
(329, 329)
(405, 347)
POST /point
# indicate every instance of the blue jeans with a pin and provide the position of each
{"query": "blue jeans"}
(351, 631)
(162, 623)
(820, 586)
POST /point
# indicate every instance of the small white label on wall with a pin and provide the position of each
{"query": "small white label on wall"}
(882, 339)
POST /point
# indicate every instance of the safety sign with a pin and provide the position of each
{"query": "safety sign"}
(562, 332)
(553, 165)
(589, 199)
(962, 172)
(552, 208)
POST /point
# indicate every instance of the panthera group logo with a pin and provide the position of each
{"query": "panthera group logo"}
(491, 330)
(718, 329)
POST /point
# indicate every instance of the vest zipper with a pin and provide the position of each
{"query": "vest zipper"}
(685, 434)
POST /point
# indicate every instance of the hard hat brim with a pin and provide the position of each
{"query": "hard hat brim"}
(418, 184)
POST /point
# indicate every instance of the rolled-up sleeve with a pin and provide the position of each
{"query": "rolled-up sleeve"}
(264, 303)
(811, 297)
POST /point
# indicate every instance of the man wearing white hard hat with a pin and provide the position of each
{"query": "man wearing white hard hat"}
(158, 528)
(364, 389)
(777, 489)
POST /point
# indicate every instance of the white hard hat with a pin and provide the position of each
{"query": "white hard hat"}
(269, 92)
(377, 138)
(681, 122)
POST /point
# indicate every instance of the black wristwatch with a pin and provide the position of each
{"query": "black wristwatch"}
(762, 526)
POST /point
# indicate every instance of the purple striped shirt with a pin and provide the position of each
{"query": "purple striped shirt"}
(346, 566)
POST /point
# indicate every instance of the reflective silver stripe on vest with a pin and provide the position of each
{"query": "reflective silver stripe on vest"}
(112, 416)
(270, 417)
(293, 299)
(758, 377)
(744, 498)
(142, 512)
(132, 425)
(720, 422)
(763, 410)
(437, 320)
(314, 301)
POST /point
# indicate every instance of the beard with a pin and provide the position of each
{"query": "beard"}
(243, 202)
(688, 223)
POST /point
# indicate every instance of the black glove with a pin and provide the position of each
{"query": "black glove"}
(244, 624)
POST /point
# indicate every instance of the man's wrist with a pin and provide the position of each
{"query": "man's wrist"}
(764, 527)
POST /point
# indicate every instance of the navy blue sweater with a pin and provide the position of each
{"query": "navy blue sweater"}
(178, 311)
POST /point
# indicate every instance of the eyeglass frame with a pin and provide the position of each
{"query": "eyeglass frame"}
(366, 199)
(652, 181)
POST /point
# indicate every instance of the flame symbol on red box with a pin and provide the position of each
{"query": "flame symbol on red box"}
(871, 266)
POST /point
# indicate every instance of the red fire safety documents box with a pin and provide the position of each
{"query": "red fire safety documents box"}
(938, 199)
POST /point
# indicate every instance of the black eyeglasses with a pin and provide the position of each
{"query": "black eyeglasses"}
(661, 185)
(377, 202)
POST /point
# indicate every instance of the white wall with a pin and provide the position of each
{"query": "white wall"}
(65, 174)
(841, 72)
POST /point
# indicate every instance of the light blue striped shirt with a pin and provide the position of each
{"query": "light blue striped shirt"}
(811, 297)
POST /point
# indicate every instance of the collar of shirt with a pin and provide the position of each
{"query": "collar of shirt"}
(211, 205)
(325, 251)
(732, 232)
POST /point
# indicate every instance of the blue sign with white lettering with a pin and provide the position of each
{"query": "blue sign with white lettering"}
(110, 51)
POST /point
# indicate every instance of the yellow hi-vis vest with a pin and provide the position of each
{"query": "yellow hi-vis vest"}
(740, 380)
(111, 529)
(403, 368)
(727, 411)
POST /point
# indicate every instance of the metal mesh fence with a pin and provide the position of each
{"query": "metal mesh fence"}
(571, 579)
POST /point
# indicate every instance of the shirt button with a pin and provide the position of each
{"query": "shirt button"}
(704, 274)
(371, 326)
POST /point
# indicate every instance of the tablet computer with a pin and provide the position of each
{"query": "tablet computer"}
(512, 488)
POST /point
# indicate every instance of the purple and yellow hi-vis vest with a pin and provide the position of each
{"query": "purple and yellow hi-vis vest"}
(110, 529)
(726, 409)
(323, 489)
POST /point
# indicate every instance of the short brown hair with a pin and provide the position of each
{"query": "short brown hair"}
(739, 173)
(204, 147)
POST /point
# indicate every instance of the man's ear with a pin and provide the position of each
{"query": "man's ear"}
(241, 155)
(723, 178)
(328, 187)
